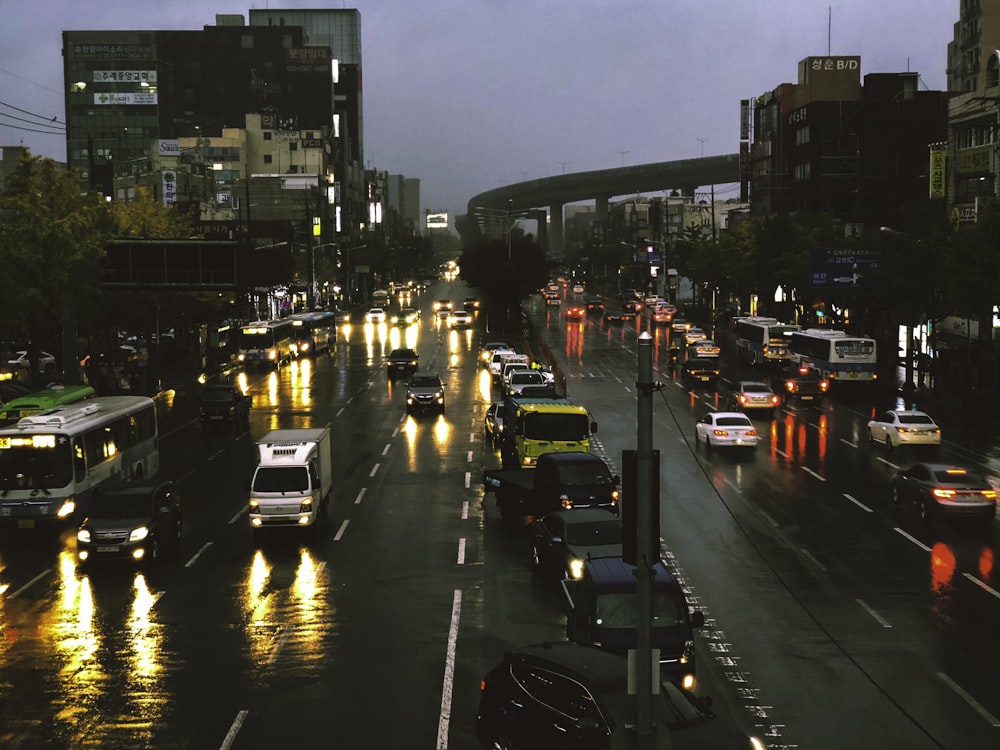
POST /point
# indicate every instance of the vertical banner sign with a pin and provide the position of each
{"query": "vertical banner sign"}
(169, 188)
(744, 119)
(939, 159)
(744, 172)
(630, 537)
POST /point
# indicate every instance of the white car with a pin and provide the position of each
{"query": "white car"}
(706, 348)
(726, 428)
(896, 427)
(694, 334)
(494, 422)
(460, 319)
(578, 289)
(375, 315)
(518, 379)
(19, 360)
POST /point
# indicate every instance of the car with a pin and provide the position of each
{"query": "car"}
(425, 393)
(753, 395)
(897, 427)
(407, 316)
(471, 304)
(803, 382)
(651, 300)
(660, 316)
(518, 380)
(487, 350)
(693, 334)
(699, 370)
(375, 315)
(402, 362)
(578, 289)
(632, 306)
(595, 305)
(19, 361)
(342, 316)
(563, 539)
(460, 319)
(726, 428)
(224, 404)
(552, 300)
(570, 695)
(138, 521)
(574, 312)
(443, 304)
(680, 325)
(494, 422)
(706, 348)
(945, 490)
(613, 317)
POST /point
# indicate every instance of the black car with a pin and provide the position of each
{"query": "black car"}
(562, 540)
(595, 306)
(701, 371)
(568, 696)
(947, 490)
(425, 393)
(224, 404)
(401, 362)
(138, 521)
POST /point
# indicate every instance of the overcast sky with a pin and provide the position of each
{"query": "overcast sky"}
(470, 95)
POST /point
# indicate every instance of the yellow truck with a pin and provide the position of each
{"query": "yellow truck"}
(535, 425)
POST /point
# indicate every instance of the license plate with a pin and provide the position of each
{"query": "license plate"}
(107, 549)
(216, 416)
(854, 374)
(703, 378)
(807, 398)
(25, 523)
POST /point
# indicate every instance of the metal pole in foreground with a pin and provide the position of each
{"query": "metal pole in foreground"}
(644, 554)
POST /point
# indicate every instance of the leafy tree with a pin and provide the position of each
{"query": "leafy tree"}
(506, 274)
(147, 218)
(51, 244)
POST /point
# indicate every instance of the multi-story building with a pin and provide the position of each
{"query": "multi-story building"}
(832, 143)
(974, 111)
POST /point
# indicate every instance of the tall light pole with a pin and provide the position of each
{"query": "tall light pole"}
(702, 142)
(563, 164)
(622, 155)
(510, 207)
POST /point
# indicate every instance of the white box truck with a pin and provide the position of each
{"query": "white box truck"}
(293, 481)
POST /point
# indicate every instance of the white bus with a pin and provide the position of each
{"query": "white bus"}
(313, 332)
(265, 343)
(762, 340)
(836, 355)
(51, 463)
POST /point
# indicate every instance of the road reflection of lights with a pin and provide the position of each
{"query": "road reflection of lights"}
(394, 336)
(486, 385)
(305, 587)
(257, 577)
(409, 431)
(823, 435)
(301, 372)
(789, 434)
(442, 432)
(243, 382)
(454, 344)
(73, 631)
(412, 335)
(3, 588)
(986, 564)
(942, 574)
(146, 639)
(272, 388)
(454, 360)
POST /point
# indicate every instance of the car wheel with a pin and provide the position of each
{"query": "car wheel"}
(871, 437)
(888, 442)
(708, 443)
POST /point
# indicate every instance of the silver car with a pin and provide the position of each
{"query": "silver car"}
(425, 393)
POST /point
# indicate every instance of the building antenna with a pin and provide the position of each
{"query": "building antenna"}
(829, 23)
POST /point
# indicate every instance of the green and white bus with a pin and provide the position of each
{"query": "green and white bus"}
(39, 401)
(52, 462)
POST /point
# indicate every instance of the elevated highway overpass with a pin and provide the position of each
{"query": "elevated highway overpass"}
(552, 193)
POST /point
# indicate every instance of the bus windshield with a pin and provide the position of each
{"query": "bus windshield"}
(29, 464)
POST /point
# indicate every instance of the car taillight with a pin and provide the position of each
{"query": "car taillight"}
(774, 399)
(789, 385)
(751, 433)
(824, 384)
(720, 433)
(943, 494)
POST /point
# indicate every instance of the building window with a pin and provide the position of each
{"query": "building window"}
(993, 70)
(802, 136)
(267, 158)
(802, 171)
(267, 135)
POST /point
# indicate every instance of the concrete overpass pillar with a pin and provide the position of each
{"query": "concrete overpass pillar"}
(556, 230)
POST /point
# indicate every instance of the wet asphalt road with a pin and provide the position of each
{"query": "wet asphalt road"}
(834, 618)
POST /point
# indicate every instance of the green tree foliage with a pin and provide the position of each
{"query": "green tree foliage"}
(505, 281)
(146, 218)
(51, 244)
(971, 268)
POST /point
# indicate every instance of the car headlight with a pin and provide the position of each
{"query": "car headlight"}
(83, 535)
(138, 534)
(576, 569)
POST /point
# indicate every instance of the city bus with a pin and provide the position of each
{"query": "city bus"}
(835, 354)
(51, 463)
(762, 340)
(313, 332)
(39, 401)
(265, 343)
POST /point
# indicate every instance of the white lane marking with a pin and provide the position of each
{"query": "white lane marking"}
(361, 494)
(887, 462)
(734, 486)
(470, 457)
(472, 437)
(449, 673)
(468, 479)
(982, 585)
(845, 441)
(465, 510)
(216, 455)
(875, 615)
(386, 449)
(374, 469)
(278, 646)
(339, 411)
(461, 551)
(197, 554)
(858, 503)
(238, 515)
(768, 518)
(812, 558)
(781, 453)
(917, 542)
(30, 583)
(993, 721)
(341, 530)
(395, 432)
(234, 729)
(820, 477)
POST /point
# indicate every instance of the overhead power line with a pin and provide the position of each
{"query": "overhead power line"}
(60, 133)
(60, 128)
(43, 118)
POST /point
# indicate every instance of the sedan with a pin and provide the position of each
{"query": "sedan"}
(460, 319)
(595, 305)
(693, 335)
(562, 540)
(680, 324)
(444, 304)
(753, 395)
(726, 428)
(401, 362)
(375, 315)
(19, 360)
(578, 289)
(896, 427)
(574, 312)
(706, 348)
(494, 422)
(946, 490)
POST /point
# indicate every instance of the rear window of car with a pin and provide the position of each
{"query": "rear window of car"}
(915, 419)
(732, 422)
(956, 476)
(755, 388)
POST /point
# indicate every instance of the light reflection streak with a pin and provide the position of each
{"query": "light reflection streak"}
(486, 385)
(412, 335)
(442, 432)
(410, 434)
(986, 564)
(943, 567)
(574, 342)
(73, 630)
(823, 435)
(257, 606)
(146, 640)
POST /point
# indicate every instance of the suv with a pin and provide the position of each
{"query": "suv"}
(425, 392)
(701, 370)
(224, 403)
(564, 695)
(401, 362)
(805, 383)
(753, 395)
(136, 521)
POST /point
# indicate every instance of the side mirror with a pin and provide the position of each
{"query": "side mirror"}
(593, 427)
(615, 479)
(697, 619)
